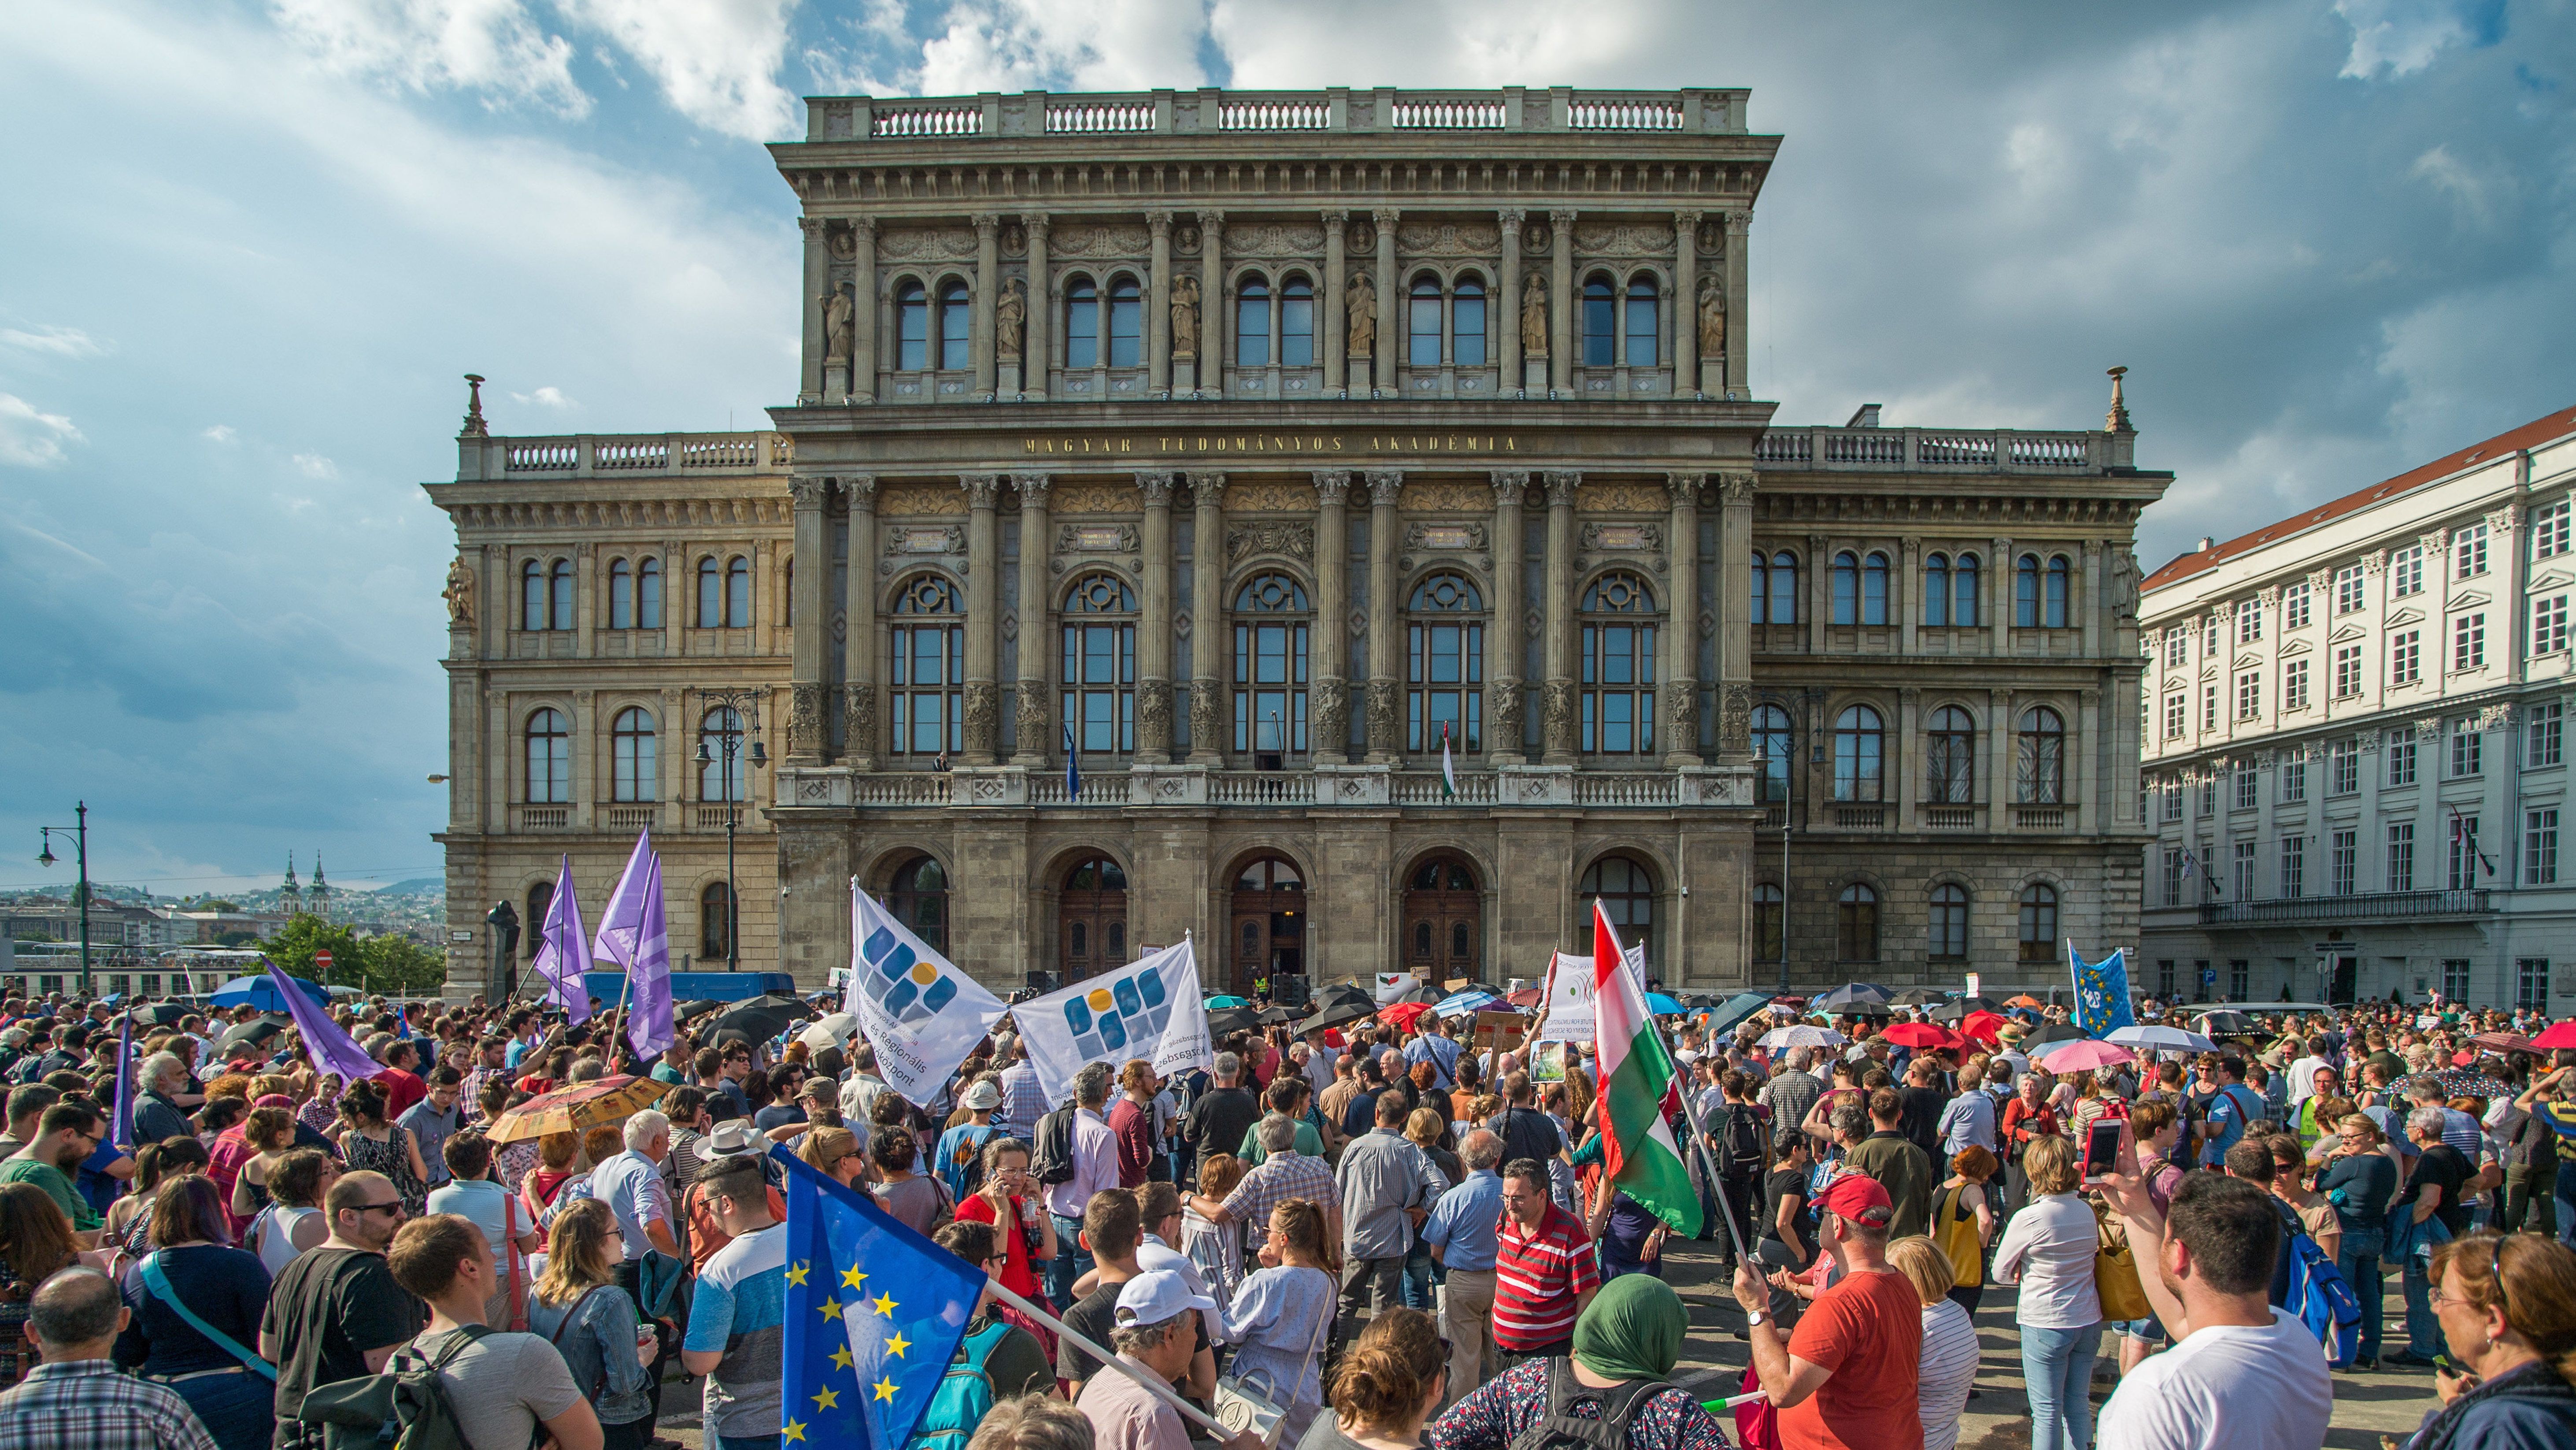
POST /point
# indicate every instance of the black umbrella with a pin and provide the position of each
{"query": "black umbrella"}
(1335, 1015)
(1227, 1021)
(1342, 994)
(1871, 1010)
(1736, 1010)
(159, 1014)
(1854, 995)
(760, 1019)
(1426, 994)
(1958, 1008)
(256, 1030)
(2055, 1032)
(1920, 997)
(1272, 1016)
(683, 1011)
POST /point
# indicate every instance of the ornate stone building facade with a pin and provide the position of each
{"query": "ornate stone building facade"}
(1260, 452)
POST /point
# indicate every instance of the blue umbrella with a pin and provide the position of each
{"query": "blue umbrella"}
(262, 993)
(1459, 1004)
(1220, 1003)
(1662, 1006)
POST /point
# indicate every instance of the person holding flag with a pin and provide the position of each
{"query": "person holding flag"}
(634, 934)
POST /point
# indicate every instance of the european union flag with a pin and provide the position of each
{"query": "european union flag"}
(2101, 992)
(874, 1314)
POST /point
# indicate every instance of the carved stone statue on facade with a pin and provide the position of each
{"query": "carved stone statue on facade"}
(1381, 717)
(1185, 317)
(1507, 715)
(1154, 717)
(805, 722)
(1735, 719)
(459, 593)
(983, 716)
(1360, 313)
(1011, 320)
(1032, 712)
(859, 720)
(1332, 717)
(2124, 586)
(1203, 717)
(1712, 318)
(838, 314)
(1560, 717)
(1534, 316)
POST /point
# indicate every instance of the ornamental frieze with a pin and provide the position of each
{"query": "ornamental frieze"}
(926, 244)
(1608, 239)
(1447, 498)
(1295, 538)
(1448, 239)
(1269, 498)
(1095, 498)
(920, 498)
(1081, 240)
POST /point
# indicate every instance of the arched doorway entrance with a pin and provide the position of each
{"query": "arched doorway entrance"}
(1091, 919)
(1268, 937)
(1443, 920)
(1627, 896)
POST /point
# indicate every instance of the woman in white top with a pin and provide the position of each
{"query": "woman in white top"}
(2048, 1250)
(293, 1222)
(1948, 1368)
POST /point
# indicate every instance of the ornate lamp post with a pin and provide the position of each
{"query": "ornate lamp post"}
(740, 716)
(45, 857)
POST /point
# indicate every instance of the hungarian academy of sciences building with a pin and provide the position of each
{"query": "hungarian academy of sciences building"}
(1252, 454)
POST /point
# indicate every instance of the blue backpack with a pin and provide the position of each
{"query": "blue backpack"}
(965, 1393)
(2323, 1300)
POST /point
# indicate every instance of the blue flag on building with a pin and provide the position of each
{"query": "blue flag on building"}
(2101, 992)
(1072, 769)
(874, 1314)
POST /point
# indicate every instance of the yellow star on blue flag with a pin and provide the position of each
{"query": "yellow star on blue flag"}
(893, 1352)
(2101, 992)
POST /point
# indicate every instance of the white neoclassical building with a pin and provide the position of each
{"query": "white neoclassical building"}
(2356, 742)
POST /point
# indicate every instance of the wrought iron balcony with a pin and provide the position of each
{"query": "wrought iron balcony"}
(2336, 910)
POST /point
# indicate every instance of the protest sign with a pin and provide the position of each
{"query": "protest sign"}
(1151, 1009)
(918, 1011)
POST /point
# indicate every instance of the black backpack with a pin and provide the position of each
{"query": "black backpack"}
(1562, 1429)
(1053, 1160)
(404, 1408)
(1740, 1146)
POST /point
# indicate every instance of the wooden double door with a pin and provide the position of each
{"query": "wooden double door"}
(1091, 919)
(1443, 921)
(1266, 936)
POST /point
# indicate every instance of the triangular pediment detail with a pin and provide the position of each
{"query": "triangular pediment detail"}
(2467, 601)
(2555, 578)
(2346, 632)
(2296, 647)
(2405, 617)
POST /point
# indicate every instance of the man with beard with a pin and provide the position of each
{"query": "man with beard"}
(336, 1312)
(65, 1137)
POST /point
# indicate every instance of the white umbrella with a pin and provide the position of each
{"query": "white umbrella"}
(2163, 1039)
(832, 1031)
(1802, 1035)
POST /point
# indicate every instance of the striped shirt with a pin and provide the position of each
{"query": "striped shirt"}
(87, 1402)
(1945, 1373)
(741, 1308)
(1537, 1275)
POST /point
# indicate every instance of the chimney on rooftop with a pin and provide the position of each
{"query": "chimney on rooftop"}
(1867, 417)
(2206, 544)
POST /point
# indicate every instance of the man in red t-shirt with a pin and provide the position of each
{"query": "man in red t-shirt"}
(402, 1086)
(1543, 1268)
(1132, 1120)
(1846, 1379)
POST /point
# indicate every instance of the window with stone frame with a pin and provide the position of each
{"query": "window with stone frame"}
(637, 768)
(2294, 605)
(2039, 758)
(928, 652)
(2038, 924)
(549, 758)
(1271, 625)
(2347, 587)
(1770, 925)
(2294, 685)
(2549, 530)
(2406, 571)
(2294, 867)
(2400, 749)
(2469, 551)
(1947, 924)
(2549, 625)
(2401, 857)
(1860, 742)
(1856, 924)
(2469, 643)
(1950, 758)
(1445, 665)
(1774, 752)
(2406, 657)
(1098, 664)
(1618, 626)
(2544, 734)
(2343, 767)
(2347, 671)
(1775, 587)
(2249, 621)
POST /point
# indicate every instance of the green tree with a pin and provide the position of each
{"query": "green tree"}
(306, 935)
(401, 966)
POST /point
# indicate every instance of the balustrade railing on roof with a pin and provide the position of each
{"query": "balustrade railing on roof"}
(1021, 115)
(1899, 449)
(586, 455)
(1100, 119)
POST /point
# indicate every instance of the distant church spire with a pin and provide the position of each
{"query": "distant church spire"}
(321, 888)
(290, 893)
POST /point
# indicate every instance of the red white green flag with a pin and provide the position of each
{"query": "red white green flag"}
(1640, 1090)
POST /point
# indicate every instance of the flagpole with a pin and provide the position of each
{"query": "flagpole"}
(1699, 1141)
(1152, 1383)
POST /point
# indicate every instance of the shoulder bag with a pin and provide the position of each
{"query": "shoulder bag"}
(159, 1284)
(1253, 1403)
(2115, 1273)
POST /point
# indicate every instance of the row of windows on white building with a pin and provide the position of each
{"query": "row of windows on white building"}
(2530, 979)
(2467, 864)
(2404, 656)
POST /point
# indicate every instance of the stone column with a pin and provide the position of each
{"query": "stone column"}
(1734, 610)
(1505, 309)
(1036, 738)
(988, 285)
(1739, 375)
(813, 557)
(1685, 303)
(1330, 334)
(1510, 634)
(1386, 652)
(1562, 344)
(1330, 717)
(1212, 354)
(2083, 747)
(1158, 305)
(859, 643)
(1998, 762)
(1559, 607)
(1999, 622)
(1036, 359)
(1905, 781)
(1679, 696)
(1154, 628)
(1906, 592)
(1388, 310)
(590, 599)
(818, 283)
(1207, 617)
(983, 606)
(1819, 602)
(866, 313)
(679, 601)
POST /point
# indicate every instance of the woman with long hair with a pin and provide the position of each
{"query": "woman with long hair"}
(269, 1133)
(1281, 1320)
(129, 1219)
(35, 1244)
(577, 1304)
(1386, 1387)
(293, 1223)
(194, 1263)
(371, 1142)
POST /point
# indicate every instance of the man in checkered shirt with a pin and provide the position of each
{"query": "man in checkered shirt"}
(77, 1396)
(489, 1067)
(1284, 1174)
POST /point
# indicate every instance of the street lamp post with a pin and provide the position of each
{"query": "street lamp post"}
(740, 714)
(45, 857)
(1784, 903)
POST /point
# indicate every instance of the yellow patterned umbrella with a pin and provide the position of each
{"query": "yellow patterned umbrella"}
(578, 1109)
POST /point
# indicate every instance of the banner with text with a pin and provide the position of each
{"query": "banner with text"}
(1568, 998)
(918, 1011)
(1151, 1008)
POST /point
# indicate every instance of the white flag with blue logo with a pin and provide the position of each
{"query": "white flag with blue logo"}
(1150, 1008)
(918, 1011)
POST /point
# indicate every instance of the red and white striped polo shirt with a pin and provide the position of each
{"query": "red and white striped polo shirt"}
(1537, 1275)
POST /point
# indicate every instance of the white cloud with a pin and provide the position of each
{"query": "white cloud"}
(1092, 45)
(717, 62)
(314, 465)
(61, 341)
(220, 433)
(2401, 37)
(2478, 197)
(493, 46)
(30, 439)
(546, 397)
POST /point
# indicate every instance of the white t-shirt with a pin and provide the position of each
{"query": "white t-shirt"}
(2246, 1389)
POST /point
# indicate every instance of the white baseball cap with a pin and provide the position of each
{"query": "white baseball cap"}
(1155, 1297)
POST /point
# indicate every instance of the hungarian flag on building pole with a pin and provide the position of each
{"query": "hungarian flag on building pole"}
(1639, 1088)
(1448, 766)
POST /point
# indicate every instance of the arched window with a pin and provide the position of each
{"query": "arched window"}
(549, 759)
(2026, 592)
(1936, 590)
(1126, 323)
(715, 923)
(956, 327)
(1950, 764)
(1770, 925)
(541, 900)
(710, 593)
(1846, 588)
(1467, 322)
(559, 595)
(1081, 323)
(1772, 746)
(2039, 759)
(1446, 665)
(1775, 588)
(2040, 592)
(929, 648)
(2039, 924)
(1297, 322)
(1618, 667)
(1600, 323)
(1091, 918)
(532, 595)
(721, 767)
(1873, 589)
(1856, 924)
(1252, 321)
(1963, 597)
(738, 593)
(1859, 755)
(2060, 574)
(1948, 924)
(1626, 892)
(911, 328)
(648, 594)
(1642, 351)
(1270, 666)
(1100, 664)
(621, 594)
(638, 768)
(919, 899)
(1422, 323)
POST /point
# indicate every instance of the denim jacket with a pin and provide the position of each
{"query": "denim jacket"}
(598, 1346)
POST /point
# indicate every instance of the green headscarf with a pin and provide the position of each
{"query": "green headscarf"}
(1632, 1329)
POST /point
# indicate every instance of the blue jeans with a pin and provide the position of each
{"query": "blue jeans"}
(2423, 1331)
(239, 1410)
(1417, 1277)
(2057, 1373)
(2357, 1256)
(2566, 1202)
(1070, 1261)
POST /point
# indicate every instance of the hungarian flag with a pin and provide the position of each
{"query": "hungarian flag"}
(1640, 1090)
(1448, 767)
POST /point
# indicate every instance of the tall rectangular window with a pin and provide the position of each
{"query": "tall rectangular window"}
(2531, 982)
(2177, 649)
(2249, 694)
(2468, 747)
(2347, 587)
(2346, 856)
(2294, 866)
(2406, 571)
(2209, 707)
(2343, 761)
(2209, 645)
(2240, 980)
(2468, 643)
(2248, 788)
(2549, 532)
(2294, 685)
(2172, 801)
(2208, 796)
(2294, 605)
(2347, 671)
(2294, 779)
(2464, 853)
(2401, 757)
(2173, 717)
(2544, 736)
(2173, 875)
(2455, 979)
(2469, 551)
(2549, 625)
(2401, 856)
(2540, 847)
(2249, 621)
(2405, 657)
(2241, 878)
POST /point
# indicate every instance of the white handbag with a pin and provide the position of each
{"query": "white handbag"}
(1253, 1403)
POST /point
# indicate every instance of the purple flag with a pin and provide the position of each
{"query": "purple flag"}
(122, 1125)
(648, 1023)
(563, 950)
(331, 1049)
(621, 927)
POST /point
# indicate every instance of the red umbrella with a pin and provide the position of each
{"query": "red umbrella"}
(2503, 1041)
(1525, 997)
(1981, 1025)
(2561, 1035)
(1919, 1034)
(1402, 1015)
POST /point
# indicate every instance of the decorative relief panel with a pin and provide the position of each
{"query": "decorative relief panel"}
(947, 539)
(1621, 498)
(1269, 498)
(1444, 536)
(926, 244)
(1448, 239)
(1083, 240)
(1607, 239)
(1096, 538)
(1095, 498)
(1447, 498)
(920, 498)
(1622, 536)
(1296, 539)
(1285, 239)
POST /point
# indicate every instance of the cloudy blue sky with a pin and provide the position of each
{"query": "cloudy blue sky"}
(248, 245)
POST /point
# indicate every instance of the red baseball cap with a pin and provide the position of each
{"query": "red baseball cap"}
(1852, 1195)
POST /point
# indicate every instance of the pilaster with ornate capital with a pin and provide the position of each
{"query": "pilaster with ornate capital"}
(983, 719)
(1332, 485)
(1385, 485)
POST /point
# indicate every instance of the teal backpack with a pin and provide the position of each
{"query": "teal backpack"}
(964, 1397)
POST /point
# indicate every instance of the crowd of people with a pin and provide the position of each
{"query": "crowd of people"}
(1374, 1234)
